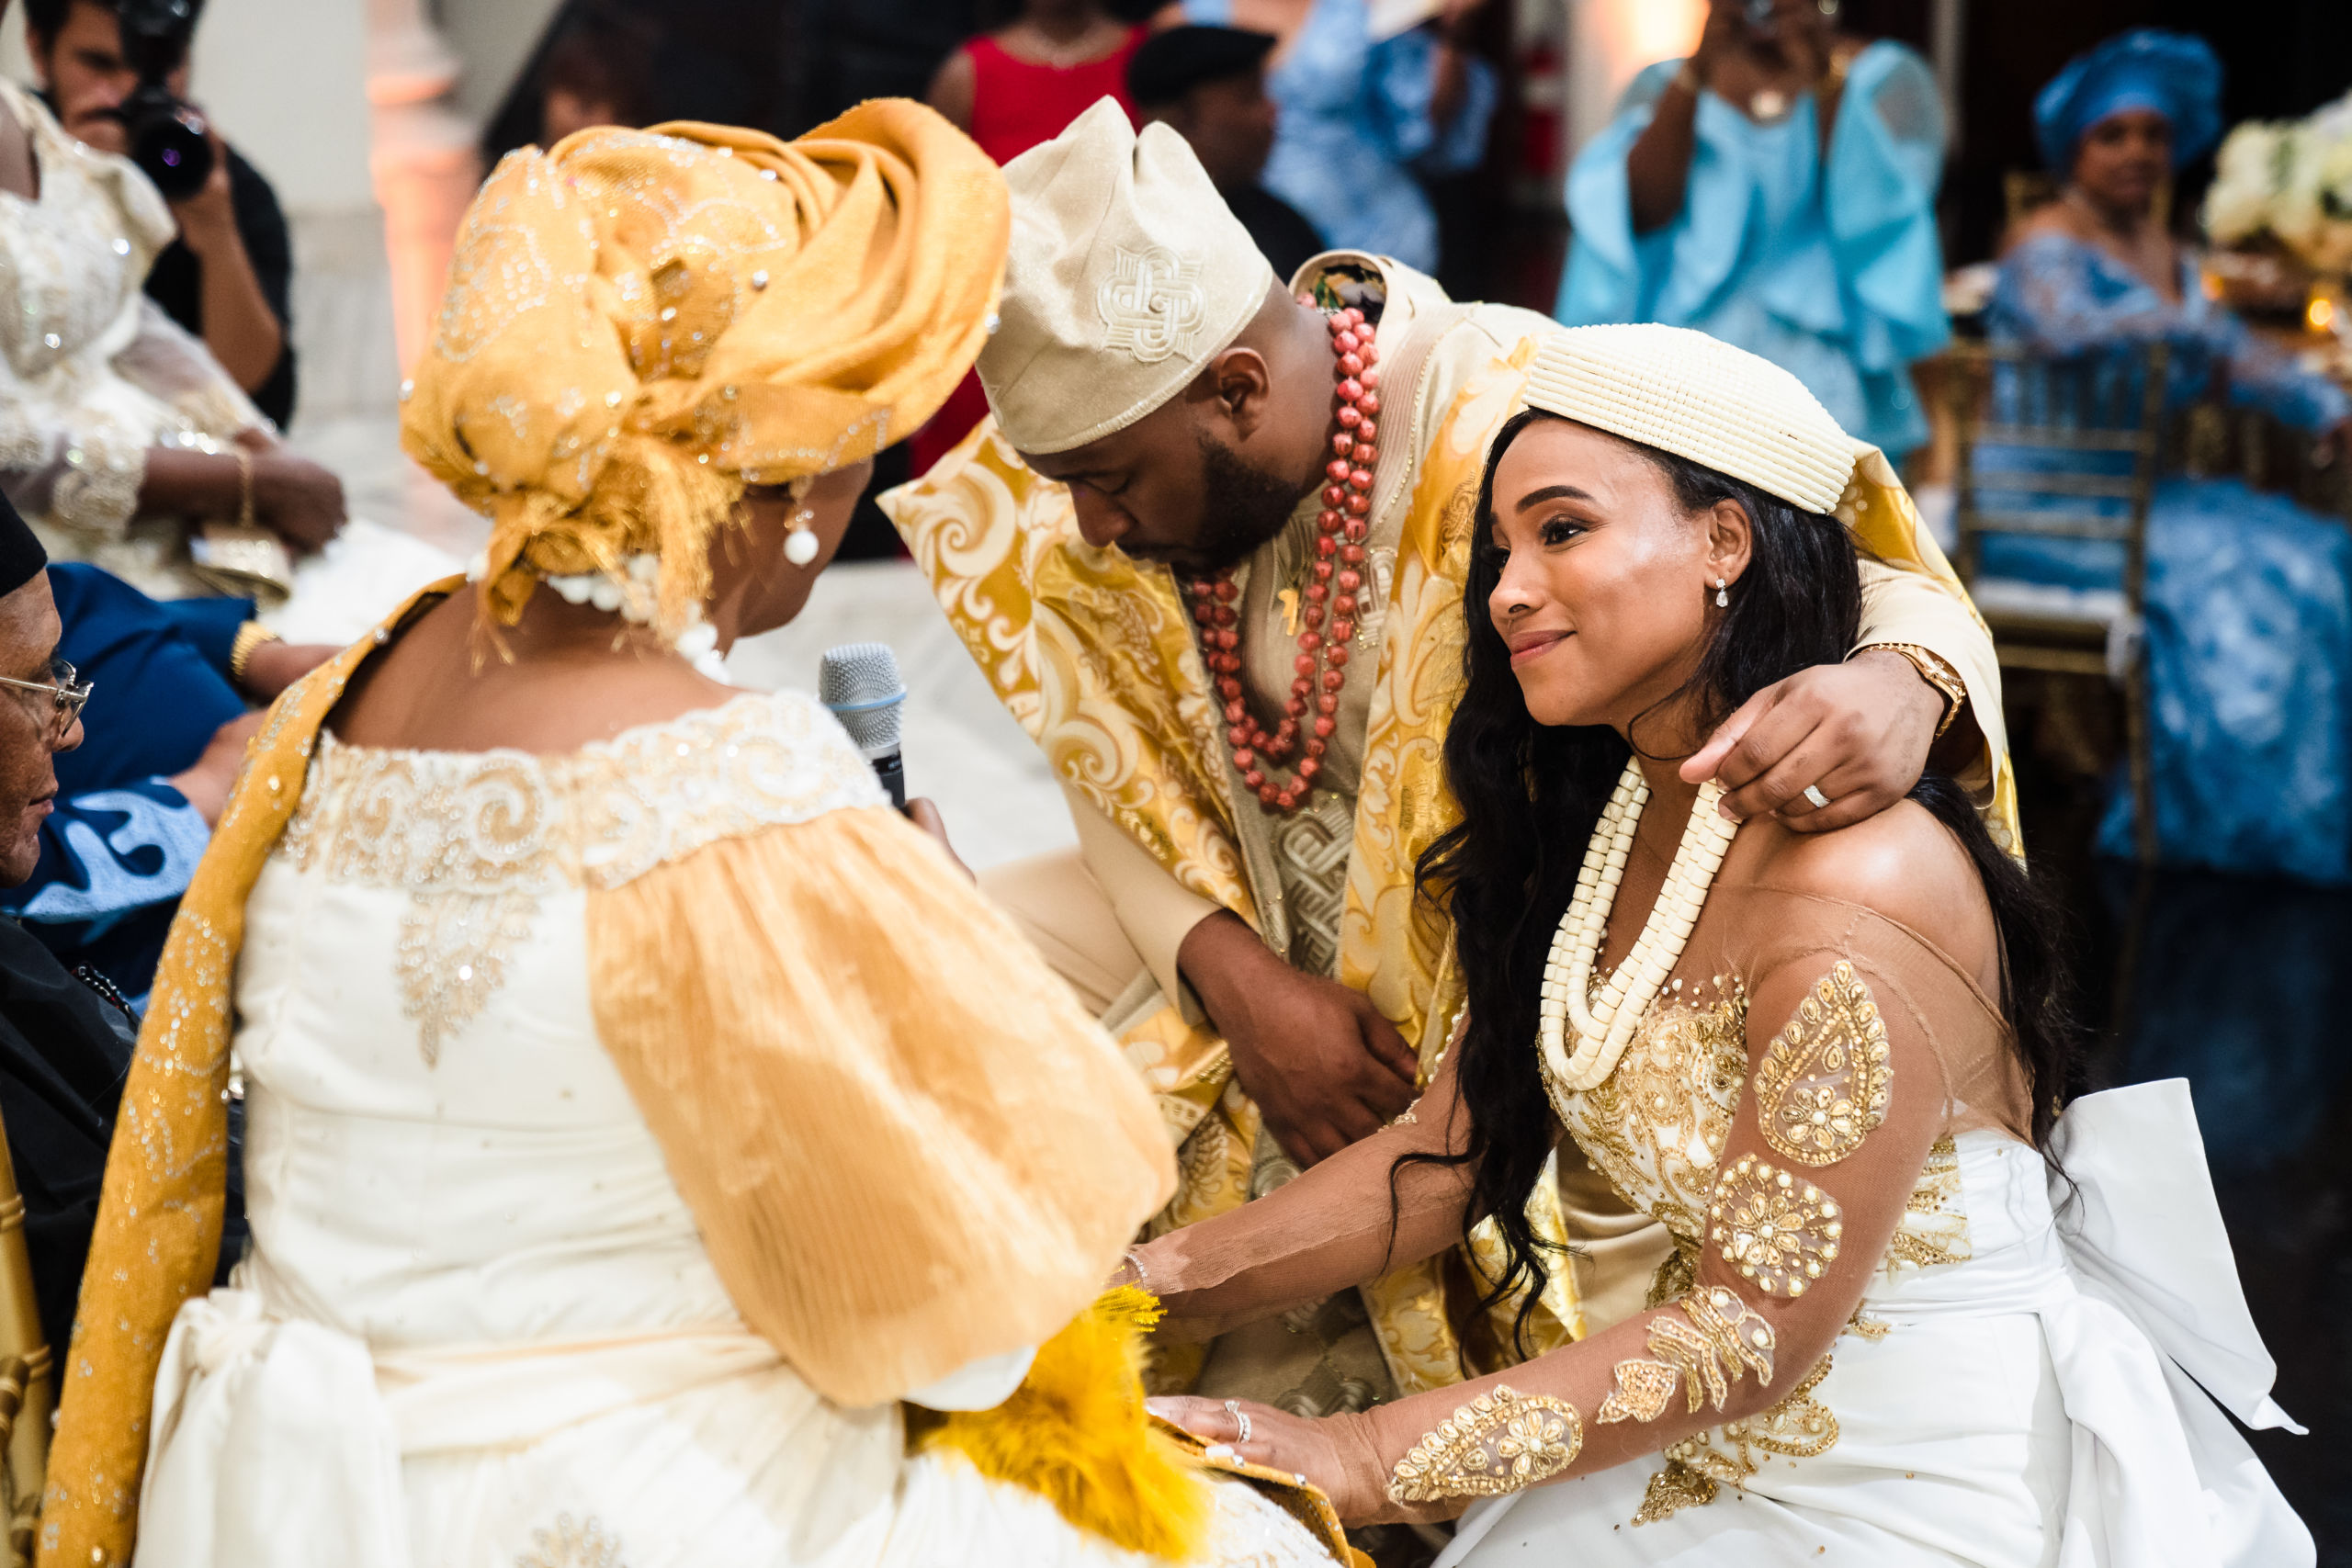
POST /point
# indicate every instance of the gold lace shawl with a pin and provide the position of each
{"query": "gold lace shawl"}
(904, 1144)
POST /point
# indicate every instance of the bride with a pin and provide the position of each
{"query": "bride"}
(637, 1110)
(1915, 1315)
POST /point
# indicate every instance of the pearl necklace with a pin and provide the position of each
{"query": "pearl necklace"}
(1604, 1027)
(1341, 528)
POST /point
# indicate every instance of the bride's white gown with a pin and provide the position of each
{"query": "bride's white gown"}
(478, 1326)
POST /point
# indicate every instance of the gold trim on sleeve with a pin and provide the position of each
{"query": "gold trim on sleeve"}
(1502, 1441)
(1641, 1393)
(1717, 1339)
(1777, 1229)
(1825, 1082)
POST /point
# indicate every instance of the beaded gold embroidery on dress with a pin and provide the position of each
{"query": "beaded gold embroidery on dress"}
(1934, 1227)
(1799, 1426)
(1825, 1082)
(1717, 1341)
(452, 955)
(1773, 1226)
(1640, 1392)
(573, 1543)
(1502, 1441)
(478, 839)
(1656, 1125)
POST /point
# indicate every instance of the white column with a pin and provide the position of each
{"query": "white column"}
(1946, 46)
(1609, 41)
(425, 162)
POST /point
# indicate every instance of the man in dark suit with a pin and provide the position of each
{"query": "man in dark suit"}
(65, 1037)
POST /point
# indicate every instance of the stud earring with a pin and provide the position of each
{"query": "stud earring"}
(1722, 599)
(800, 544)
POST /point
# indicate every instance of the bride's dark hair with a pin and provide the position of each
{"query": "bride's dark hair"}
(1530, 794)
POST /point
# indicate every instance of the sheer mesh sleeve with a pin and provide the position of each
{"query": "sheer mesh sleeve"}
(83, 464)
(1865, 1046)
(1329, 1229)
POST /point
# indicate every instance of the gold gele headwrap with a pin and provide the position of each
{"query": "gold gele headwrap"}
(640, 323)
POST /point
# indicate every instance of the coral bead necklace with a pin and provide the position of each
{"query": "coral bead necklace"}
(1332, 597)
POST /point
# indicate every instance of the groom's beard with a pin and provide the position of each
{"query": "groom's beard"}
(1241, 508)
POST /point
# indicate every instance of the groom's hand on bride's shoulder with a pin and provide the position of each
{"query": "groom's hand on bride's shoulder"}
(1325, 1067)
(1859, 732)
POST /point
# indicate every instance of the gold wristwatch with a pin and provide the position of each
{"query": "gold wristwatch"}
(1936, 673)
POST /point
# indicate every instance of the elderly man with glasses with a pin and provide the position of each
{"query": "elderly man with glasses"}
(66, 1034)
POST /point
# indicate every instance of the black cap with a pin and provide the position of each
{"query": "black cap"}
(21, 557)
(1172, 64)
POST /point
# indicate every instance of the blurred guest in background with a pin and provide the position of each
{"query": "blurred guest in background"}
(1777, 190)
(1209, 84)
(1023, 85)
(65, 1039)
(1010, 90)
(116, 425)
(599, 72)
(165, 733)
(228, 275)
(1363, 112)
(2248, 596)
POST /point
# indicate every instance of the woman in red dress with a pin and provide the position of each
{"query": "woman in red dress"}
(1010, 90)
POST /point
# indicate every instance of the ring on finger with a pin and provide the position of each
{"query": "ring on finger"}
(1813, 792)
(1240, 1417)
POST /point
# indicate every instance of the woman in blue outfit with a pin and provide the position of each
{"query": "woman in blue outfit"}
(2249, 596)
(1361, 116)
(1777, 190)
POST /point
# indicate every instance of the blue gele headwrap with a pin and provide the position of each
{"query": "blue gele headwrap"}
(2174, 74)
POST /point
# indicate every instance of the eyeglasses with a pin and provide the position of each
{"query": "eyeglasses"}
(66, 694)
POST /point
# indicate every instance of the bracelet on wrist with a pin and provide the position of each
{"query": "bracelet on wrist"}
(250, 636)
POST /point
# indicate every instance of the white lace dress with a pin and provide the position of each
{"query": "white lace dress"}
(478, 1327)
(92, 376)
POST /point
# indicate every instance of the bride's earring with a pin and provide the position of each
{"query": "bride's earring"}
(1723, 598)
(800, 544)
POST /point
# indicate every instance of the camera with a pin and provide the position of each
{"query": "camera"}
(168, 138)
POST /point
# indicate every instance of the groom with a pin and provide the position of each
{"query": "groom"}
(1181, 450)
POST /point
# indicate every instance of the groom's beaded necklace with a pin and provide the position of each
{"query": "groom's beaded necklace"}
(1604, 1026)
(1341, 528)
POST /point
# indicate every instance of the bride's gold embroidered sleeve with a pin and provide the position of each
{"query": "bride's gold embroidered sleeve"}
(1716, 1339)
(1775, 1227)
(1825, 1082)
(1502, 1441)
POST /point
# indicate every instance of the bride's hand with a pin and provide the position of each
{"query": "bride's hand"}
(1333, 1454)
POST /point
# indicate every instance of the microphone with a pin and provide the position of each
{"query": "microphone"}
(859, 681)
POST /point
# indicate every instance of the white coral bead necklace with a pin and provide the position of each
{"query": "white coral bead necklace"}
(1603, 1027)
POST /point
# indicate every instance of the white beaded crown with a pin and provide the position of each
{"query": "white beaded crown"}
(1698, 397)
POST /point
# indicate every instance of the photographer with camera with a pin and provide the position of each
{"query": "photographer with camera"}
(115, 71)
(1777, 190)
(123, 440)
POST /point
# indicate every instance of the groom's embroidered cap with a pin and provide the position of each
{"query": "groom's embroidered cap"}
(1127, 273)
